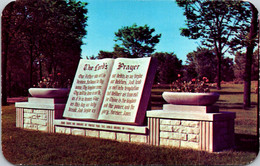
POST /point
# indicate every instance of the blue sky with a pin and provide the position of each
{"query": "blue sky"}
(105, 17)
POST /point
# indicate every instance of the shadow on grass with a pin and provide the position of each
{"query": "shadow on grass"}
(230, 93)
(236, 106)
(215, 88)
(231, 107)
(223, 105)
(246, 143)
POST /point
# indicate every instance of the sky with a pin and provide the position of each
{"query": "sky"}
(105, 17)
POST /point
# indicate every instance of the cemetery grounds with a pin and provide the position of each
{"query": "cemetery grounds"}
(27, 147)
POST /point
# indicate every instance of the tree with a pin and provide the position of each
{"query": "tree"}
(249, 54)
(105, 54)
(118, 52)
(65, 24)
(169, 66)
(239, 66)
(216, 23)
(5, 42)
(204, 62)
(45, 37)
(247, 38)
(136, 41)
(228, 69)
(9, 27)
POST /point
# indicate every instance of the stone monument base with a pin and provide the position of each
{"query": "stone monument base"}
(126, 133)
(180, 128)
(39, 113)
(209, 132)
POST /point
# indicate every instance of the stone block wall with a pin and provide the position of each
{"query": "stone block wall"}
(209, 136)
(195, 134)
(36, 119)
(112, 135)
(209, 132)
(180, 133)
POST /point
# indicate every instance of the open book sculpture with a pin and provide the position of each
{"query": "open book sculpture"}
(111, 90)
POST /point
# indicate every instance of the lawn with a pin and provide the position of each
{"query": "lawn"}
(32, 147)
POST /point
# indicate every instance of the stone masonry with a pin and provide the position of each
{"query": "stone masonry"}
(201, 131)
(112, 135)
(38, 116)
(209, 132)
(36, 119)
(197, 134)
(179, 133)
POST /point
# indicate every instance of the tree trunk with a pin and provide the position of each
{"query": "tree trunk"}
(40, 66)
(219, 71)
(9, 84)
(249, 55)
(5, 45)
(247, 79)
(4, 70)
(31, 66)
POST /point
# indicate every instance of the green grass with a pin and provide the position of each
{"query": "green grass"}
(231, 100)
(32, 147)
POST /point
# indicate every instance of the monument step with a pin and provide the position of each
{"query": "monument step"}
(101, 126)
(190, 116)
(32, 105)
(47, 100)
(190, 108)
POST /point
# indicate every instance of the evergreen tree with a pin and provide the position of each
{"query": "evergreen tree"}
(136, 41)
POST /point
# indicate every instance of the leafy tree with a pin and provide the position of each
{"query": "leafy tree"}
(45, 36)
(228, 69)
(203, 63)
(105, 54)
(10, 26)
(216, 23)
(169, 66)
(136, 41)
(65, 29)
(5, 45)
(247, 38)
(249, 54)
(92, 57)
(121, 52)
(239, 67)
(118, 52)
(189, 72)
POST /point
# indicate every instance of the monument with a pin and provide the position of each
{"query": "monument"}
(109, 100)
(111, 90)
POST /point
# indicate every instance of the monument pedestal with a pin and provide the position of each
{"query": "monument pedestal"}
(46, 114)
(192, 127)
(175, 126)
(39, 113)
